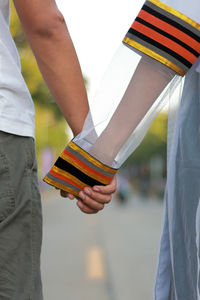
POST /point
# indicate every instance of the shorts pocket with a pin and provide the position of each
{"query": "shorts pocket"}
(7, 201)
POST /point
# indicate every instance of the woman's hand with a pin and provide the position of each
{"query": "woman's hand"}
(92, 200)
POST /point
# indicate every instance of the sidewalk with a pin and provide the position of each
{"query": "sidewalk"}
(108, 256)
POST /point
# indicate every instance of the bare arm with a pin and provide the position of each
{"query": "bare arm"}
(49, 38)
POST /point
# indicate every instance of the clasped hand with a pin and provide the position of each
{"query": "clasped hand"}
(92, 200)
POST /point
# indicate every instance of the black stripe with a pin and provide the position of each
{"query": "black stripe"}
(171, 22)
(166, 34)
(64, 165)
(160, 46)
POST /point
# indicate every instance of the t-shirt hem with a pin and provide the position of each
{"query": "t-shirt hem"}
(17, 128)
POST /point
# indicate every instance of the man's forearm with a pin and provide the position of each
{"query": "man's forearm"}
(57, 60)
(59, 65)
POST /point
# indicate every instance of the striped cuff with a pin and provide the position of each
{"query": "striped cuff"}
(76, 169)
(166, 35)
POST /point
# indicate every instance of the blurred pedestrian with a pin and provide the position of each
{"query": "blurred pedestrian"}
(123, 189)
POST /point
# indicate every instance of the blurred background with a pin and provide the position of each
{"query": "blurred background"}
(112, 255)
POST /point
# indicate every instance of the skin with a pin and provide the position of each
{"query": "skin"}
(52, 46)
(92, 200)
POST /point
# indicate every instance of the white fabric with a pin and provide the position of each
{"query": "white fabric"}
(133, 91)
(17, 113)
(190, 8)
(179, 261)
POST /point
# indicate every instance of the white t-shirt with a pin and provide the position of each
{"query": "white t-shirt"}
(17, 112)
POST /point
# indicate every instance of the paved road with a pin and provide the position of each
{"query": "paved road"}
(108, 256)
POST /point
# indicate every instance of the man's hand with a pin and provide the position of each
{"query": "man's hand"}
(92, 200)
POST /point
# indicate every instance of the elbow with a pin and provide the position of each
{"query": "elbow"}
(48, 26)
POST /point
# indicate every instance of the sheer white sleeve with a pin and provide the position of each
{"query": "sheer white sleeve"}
(123, 103)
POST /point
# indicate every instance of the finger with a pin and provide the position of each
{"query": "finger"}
(70, 196)
(66, 195)
(85, 209)
(63, 194)
(101, 198)
(107, 189)
(90, 202)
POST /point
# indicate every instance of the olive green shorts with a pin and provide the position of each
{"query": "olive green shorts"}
(20, 220)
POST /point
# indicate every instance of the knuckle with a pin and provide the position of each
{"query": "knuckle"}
(96, 206)
(112, 190)
(85, 200)
(85, 210)
(108, 199)
(101, 207)
(92, 206)
(89, 202)
(93, 194)
(90, 211)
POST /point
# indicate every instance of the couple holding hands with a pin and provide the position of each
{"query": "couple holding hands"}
(147, 71)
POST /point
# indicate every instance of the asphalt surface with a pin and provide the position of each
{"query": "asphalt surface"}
(108, 256)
